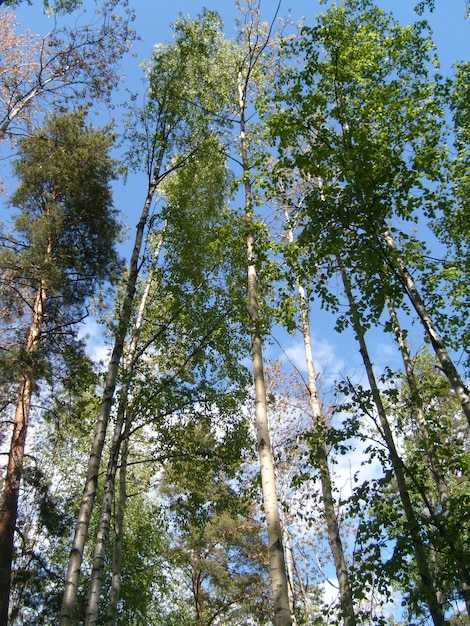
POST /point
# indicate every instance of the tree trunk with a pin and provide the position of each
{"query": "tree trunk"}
(197, 589)
(417, 405)
(10, 496)
(277, 566)
(102, 537)
(289, 554)
(439, 479)
(446, 362)
(114, 594)
(427, 582)
(83, 520)
(321, 457)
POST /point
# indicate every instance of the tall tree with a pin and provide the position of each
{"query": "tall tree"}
(319, 426)
(428, 583)
(351, 130)
(175, 123)
(62, 246)
(255, 39)
(183, 312)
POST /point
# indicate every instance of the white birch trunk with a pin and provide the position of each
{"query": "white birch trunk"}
(277, 566)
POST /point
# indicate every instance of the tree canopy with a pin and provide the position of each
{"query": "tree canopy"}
(276, 428)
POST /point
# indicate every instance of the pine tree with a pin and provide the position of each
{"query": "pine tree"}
(61, 247)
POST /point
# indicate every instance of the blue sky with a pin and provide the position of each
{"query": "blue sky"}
(153, 18)
(452, 31)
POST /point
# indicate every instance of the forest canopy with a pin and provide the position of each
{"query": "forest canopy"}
(234, 340)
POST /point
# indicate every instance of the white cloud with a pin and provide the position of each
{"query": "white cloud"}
(93, 333)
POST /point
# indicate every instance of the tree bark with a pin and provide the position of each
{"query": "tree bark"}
(10, 496)
(102, 537)
(422, 564)
(442, 354)
(277, 566)
(439, 479)
(83, 520)
(111, 614)
(289, 557)
(197, 589)
(321, 457)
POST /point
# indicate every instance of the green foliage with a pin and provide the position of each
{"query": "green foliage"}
(187, 96)
(144, 543)
(451, 224)
(51, 492)
(358, 128)
(435, 460)
(63, 237)
(58, 6)
(215, 542)
(66, 222)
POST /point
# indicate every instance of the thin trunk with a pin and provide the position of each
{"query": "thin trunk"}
(417, 407)
(114, 594)
(427, 582)
(442, 354)
(289, 554)
(197, 589)
(321, 457)
(309, 605)
(69, 598)
(439, 479)
(277, 566)
(331, 518)
(11, 489)
(102, 537)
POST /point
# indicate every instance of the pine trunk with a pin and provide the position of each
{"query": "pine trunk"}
(10, 496)
(197, 589)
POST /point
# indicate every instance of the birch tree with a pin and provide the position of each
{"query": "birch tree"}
(185, 334)
(255, 43)
(174, 124)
